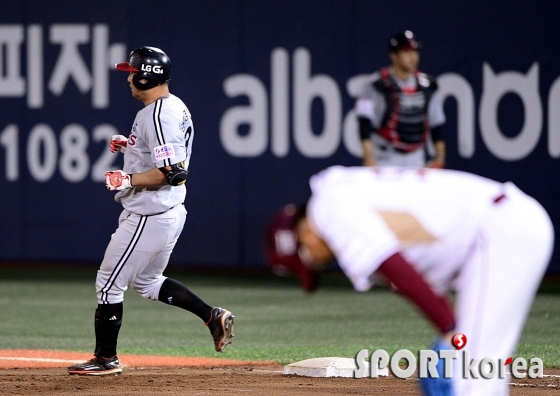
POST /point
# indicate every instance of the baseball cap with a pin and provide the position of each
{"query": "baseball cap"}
(282, 251)
(404, 40)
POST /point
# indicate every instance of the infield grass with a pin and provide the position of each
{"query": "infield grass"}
(274, 320)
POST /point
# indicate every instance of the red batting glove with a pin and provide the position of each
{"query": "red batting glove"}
(118, 143)
(118, 180)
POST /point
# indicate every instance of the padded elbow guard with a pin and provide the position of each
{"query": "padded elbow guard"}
(177, 176)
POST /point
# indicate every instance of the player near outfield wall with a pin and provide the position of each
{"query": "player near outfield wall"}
(400, 114)
(151, 189)
(428, 232)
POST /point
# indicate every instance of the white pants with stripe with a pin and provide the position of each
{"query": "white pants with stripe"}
(138, 253)
(496, 288)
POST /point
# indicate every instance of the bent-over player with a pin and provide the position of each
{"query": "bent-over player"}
(152, 191)
(428, 232)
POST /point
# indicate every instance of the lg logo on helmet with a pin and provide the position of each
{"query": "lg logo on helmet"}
(152, 69)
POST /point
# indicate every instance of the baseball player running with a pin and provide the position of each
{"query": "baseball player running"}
(151, 188)
(427, 231)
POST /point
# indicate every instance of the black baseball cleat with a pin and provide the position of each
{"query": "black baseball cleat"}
(97, 366)
(221, 327)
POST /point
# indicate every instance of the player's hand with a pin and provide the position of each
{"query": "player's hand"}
(118, 143)
(118, 180)
(438, 386)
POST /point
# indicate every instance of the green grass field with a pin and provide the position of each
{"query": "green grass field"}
(53, 309)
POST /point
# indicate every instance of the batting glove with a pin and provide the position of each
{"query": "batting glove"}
(118, 143)
(438, 386)
(118, 180)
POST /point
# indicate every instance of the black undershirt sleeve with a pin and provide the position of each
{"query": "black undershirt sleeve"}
(365, 128)
(437, 133)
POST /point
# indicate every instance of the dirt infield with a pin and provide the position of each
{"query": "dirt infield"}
(43, 373)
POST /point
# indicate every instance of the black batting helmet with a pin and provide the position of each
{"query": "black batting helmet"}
(151, 67)
(403, 41)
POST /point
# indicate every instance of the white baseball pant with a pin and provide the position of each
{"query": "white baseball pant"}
(138, 253)
(497, 285)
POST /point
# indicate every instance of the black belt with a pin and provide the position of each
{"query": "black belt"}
(157, 214)
(398, 150)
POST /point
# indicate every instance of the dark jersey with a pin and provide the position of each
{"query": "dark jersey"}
(405, 122)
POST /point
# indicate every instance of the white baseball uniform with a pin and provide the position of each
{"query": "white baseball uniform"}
(153, 218)
(488, 241)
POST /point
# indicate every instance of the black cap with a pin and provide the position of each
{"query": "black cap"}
(403, 41)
